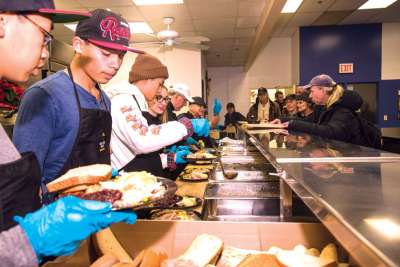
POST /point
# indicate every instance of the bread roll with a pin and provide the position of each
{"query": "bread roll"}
(329, 252)
(259, 260)
(288, 258)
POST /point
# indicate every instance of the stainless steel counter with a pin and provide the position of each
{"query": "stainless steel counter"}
(305, 148)
(354, 191)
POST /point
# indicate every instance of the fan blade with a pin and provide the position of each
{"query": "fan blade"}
(146, 43)
(191, 46)
(193, 39)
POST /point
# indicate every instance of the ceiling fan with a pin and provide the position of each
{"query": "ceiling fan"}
(170, 38)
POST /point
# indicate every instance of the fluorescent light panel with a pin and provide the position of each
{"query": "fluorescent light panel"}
(372, 4)
(291, 6)
(156, 2)
(140, 27)
(135, 27)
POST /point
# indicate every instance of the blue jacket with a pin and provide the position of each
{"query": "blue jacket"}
(48, 121)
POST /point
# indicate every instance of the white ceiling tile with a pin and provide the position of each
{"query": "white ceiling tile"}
(390, 14)
(359, 16)
(303, 19)
(158, 12)
(288, 32)
(179, 25)
(67, 4)
(251, 7)
(245, 32)
(216, 24)
(247, 22)
(346, 5)
(212, 9)
(309, 6)
(218, 34)
(130, 13)
(139, 38)
(104, 3)
(332, 17)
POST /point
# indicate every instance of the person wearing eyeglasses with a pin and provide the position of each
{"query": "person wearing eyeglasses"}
(65, 119)
(131, 133)
(27, 235)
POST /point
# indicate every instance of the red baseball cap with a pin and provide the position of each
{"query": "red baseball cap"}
(106, 29)
(44, 7)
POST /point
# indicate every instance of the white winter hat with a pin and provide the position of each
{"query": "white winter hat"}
(182, 89)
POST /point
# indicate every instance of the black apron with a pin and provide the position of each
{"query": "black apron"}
(92, 143)
(19, 189)
(150, 162)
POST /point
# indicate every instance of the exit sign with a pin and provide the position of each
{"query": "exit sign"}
(346, 68)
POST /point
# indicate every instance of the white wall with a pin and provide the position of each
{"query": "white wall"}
(271, 68)
(184, 65)
(296, 57)
(390, 51)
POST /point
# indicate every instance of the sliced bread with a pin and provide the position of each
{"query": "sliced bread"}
(86, 175)
(203, 250)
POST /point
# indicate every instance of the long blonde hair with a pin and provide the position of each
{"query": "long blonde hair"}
(335, 93)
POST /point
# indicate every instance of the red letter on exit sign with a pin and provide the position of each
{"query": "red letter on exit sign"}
(346, 68)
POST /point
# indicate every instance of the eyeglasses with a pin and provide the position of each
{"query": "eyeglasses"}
(160, 99)
(47, 36)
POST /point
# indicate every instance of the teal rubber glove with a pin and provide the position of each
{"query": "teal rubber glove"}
(217, 107)
(59, 228)
(201, 127)
(180, 156)
(192, 141)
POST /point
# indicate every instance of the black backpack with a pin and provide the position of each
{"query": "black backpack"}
(371, 135)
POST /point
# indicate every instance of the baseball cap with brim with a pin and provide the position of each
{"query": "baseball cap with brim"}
(106, 29)
(43, 7)
(322, 80)
(182, 89)
(198, 101)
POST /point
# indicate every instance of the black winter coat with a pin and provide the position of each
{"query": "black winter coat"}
(274, 112)
(337, 122)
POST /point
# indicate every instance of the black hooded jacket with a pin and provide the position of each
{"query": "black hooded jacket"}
(337, 122)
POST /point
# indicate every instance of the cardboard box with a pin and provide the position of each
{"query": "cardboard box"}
(174, 237)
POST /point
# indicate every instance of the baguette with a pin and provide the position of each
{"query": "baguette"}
(91, 174)
(204, 250)
(259, 260)
(289, 258)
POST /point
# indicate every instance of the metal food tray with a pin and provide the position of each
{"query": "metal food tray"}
(243, 190)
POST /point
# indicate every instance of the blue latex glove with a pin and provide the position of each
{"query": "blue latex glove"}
(180, 156)
(172, 149)
(58, 229)
(217, 107)
(114, 172)
(192, 141)
(201, 127)
(183, 148)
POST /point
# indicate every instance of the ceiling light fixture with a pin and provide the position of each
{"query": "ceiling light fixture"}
(291, 6)
(373, 4)
(140, 27)
(71, 26)
(156, 2)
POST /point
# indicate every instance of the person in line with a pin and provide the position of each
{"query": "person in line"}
(179, 95)
(290, 109)
(305, 108)
(232, 116)
(264, 109)
(300, 90)
(338, 121)
(131, 133)
(65, 119)
(197, 108)
(280, 100)
(24, 27)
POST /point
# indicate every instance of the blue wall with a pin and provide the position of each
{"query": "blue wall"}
(388, 97)
(322, 48)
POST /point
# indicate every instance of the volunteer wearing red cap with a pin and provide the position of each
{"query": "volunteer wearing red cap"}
(25, 26)
(65, 119)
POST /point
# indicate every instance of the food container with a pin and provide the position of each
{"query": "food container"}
(246, 173)
(245, 190)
